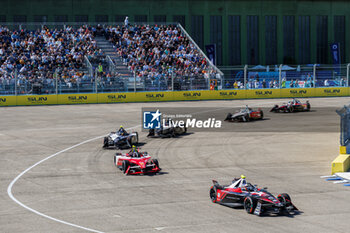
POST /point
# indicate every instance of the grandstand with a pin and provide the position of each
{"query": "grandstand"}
(108, 58)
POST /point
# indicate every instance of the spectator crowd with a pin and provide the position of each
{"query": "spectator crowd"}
(155, 52)
(36, 55)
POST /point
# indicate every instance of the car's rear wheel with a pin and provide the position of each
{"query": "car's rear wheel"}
(125, 166)
(261, 114)
(290, 109)
(249, 205)
(155, 161)
(212, 195)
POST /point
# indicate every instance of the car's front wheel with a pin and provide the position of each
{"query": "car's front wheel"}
(105, 142)
(155, 161)
(212, 195)
(125, 166)
(284, 198)
(249, 205)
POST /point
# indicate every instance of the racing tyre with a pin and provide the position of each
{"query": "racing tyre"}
(247, 118)
(125, 166)
(249, 205)
(290, 109)
(105, 142)
(308, 107)
(155, 161)
(284, 198)
(212, 195)
(151, 133)
(261, 114)
(228, 117)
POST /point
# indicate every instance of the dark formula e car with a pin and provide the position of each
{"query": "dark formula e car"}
(167, 131)
(136, 162)
(292, 106)
(245, 114)
(254, 200)
(121, 140)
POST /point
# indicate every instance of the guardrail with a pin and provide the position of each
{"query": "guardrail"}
(285, 76)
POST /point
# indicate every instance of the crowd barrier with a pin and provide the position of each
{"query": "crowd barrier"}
(21, 100)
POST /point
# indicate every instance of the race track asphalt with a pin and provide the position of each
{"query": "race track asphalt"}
(286, 152)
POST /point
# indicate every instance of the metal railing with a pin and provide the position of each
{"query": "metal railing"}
(285, 76)
(211, 65)
(239, 77)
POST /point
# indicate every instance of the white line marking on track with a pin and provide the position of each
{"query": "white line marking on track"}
(9, 188)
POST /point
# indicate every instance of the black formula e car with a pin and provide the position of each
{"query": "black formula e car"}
(121, 140)
(254, 200)
(167, 131)
(292, 106)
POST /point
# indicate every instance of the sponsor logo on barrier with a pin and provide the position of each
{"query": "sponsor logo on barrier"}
(331, 91)
(263, 92)
(194, 94)
(295, 92)
(154, 95)
(3, 100)
(77, 98)
(228, 93)
(37, 99)
(115, 97)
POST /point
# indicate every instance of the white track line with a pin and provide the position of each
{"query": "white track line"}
(9, 188)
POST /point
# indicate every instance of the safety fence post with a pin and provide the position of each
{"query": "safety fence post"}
(56, 80)
(96, 81)
(314, 74)
(16, 81)
(134, 81)
(347, 74)
(172, 80)
(280, 76)
(245, 76)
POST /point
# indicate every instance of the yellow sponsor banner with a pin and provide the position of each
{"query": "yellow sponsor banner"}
(263, 93)
(331, 91)
(229, 94)
(7, 100)
(116, 97)
(190, 95)
(153, 96)
(77, 99)
(36, 99)
(297, 92)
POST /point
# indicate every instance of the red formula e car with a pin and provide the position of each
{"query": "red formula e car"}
(245, 114)
(254, 200)
(292, 106)
(136, 162)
